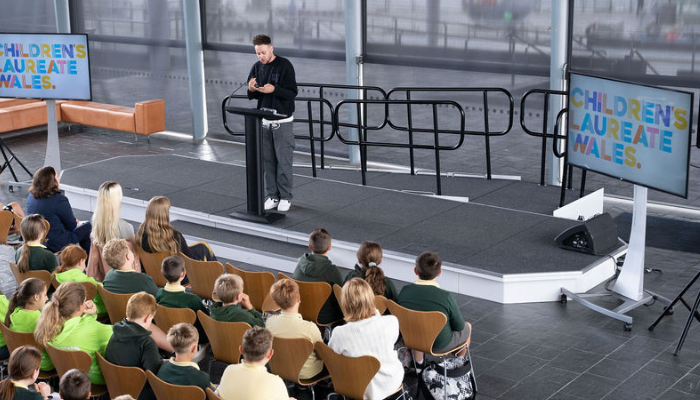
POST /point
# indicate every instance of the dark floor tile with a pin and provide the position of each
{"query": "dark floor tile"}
(482, 365)
(517, 367)
(642, 385)
(674, 370)
(543, 352)
(613, 369)
(532, 389)
(689, 384)
(554, 375)
(575, 360)
(493, 385)
(673, 394)
(638, 352)
(589, 386)
(600, 342)
(496, 350)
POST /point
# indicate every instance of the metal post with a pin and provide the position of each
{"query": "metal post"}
(53, 151)
(353, 67)
(557, 78)
(195, 68)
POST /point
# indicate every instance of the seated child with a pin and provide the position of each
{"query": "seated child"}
(68, 321)
(180, 370)
(290, 325)
(369, 256)
(250, 380)
(316, 267)
(174, 294)
(123, 278)
(24, 369)
(232, 305)
(72, 268)
(24, 311)
(33, 255)
(4, 305)
(131, 344)
(74, 385)
(425, 295)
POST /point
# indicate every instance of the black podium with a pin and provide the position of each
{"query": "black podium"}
(254, 165)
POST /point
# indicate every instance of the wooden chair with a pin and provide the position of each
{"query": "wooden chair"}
(350, 375)
(21, 276)
(90, 288)
(121, 380)
(6, 219)
(255, 284)
(202, 275)
(289, 357)
(380, 303)
(225, 337)
(313, 297)
(65, 360)
(419, 330)
(337, 290)
(15, 339)
(213, 396)
(151, 263)
(115, 303)
(166, 317)
(167, 391)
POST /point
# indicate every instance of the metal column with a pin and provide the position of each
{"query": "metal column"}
(195, 68)
(353, 66)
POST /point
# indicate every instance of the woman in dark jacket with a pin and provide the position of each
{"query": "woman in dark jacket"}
(45, 198)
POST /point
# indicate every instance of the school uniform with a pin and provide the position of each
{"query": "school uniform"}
(126, 282)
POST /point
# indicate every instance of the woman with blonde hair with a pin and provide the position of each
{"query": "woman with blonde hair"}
(106, 225)
(33, 255)
(68, 320)
(367, 333)
(156, 235)
(369, 256)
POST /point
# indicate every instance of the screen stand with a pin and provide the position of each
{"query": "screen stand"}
(629, 287)
(53, 152)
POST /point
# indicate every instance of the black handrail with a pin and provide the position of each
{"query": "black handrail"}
(487, 133)
(364, 142)
(543, 134)
(361, 110)
(309, 120)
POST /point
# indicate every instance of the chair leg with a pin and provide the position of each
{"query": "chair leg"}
(471, 369)
(313, 393)
(444, 369)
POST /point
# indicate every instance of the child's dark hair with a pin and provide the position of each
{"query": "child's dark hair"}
(428, 265)
(24, 361)
(27, 289)
(74, 385)
(369, 256)
(32, 228)
(319, 241)
(256, 343)
(172, 267)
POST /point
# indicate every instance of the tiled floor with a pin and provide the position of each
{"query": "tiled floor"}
(527, 351)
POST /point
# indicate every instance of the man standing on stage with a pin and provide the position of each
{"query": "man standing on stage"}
(272, 82)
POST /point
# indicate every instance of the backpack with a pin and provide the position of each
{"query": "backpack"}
(460, 382)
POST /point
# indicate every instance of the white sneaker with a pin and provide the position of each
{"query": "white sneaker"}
(284, 205)
(271, 204)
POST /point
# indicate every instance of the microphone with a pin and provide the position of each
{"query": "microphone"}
(234, 92)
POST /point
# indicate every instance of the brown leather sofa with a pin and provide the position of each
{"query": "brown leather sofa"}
(144, 118)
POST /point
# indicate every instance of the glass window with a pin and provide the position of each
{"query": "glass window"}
(150, 19)
(28, 16)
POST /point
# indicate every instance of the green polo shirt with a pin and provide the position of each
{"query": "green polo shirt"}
(236, 313)
(175, 296)
(76, 275)
(86, 334)
(126, 282)
(39, 258)
(184, 373)
(4, 304)
(24, 321)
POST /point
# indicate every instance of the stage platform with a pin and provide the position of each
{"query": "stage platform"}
(501, 248)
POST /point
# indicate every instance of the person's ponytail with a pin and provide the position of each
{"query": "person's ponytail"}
(65, 301)
(23, 262)
(7, 389)
(376, 279)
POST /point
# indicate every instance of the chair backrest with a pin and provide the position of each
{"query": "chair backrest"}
(65, 360)
(418, 328)
(213, 396)
(90, 288)
(166, 317)
(54, 281)
(21, 276)
(115, 303)
(380, 303)
(6, 218)
(225, 337)
(256, 284)
(337, 291)
(290, 355)
(167, 391)
(16, 339)
(350, 375)
(202, 275)
(151, 263)
(313, 297)
(121, 380)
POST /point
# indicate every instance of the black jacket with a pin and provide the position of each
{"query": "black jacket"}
(279, 73)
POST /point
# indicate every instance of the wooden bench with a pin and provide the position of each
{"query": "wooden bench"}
(20, 113)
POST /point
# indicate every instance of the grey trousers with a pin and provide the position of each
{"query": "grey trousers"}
(278, 154)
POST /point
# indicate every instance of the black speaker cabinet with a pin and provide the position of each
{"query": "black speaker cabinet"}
(596, 236)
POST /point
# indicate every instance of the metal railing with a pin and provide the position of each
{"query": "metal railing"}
(363, 140)
(486, 132)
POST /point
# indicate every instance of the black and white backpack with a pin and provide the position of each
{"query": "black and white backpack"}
(460, 381)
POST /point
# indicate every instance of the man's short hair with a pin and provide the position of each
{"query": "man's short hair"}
(114, 253)
(257, 342)
(74, 385)
(172, 267)
(285, 293)
(319, 241)
(428, 265)
(227, 287)
(140, 305)
(261, 39)
(124, 397)
(182, 336)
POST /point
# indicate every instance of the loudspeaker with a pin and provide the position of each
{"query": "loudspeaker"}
(596, 236)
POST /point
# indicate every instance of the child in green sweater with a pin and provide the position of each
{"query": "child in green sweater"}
(72, 268)
(24, 310)
(24, 369)
(68, 321)
(180, 370)
(4, 304)
(232, 305)
(174, 294)
(33, 255)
